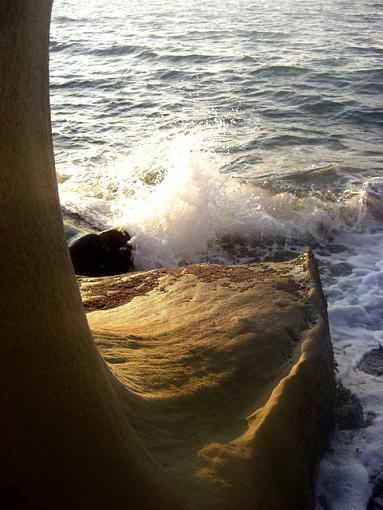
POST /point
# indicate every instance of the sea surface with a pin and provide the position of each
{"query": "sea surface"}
(233, 131)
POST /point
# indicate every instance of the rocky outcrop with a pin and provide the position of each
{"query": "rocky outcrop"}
(102, 254)
(229, 376)
(216, 390)
(98, 253)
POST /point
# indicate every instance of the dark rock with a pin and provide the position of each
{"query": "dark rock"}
(372, 362)
(376, 500)
(348, 409)
(104, 254)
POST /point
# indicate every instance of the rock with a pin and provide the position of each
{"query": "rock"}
(219, 385)
(97, 253)
(232, 375)
(104, 254)
(348, 409)
(372, 362)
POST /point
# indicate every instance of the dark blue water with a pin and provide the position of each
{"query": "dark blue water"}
(295, 83)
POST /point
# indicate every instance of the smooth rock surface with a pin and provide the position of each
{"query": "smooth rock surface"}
(229, 376)
(348, 409)
(372, 362)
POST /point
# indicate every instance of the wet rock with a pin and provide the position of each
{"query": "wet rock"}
(105, 254)
(370, 417)
(341, 269)
(372, 362)
(204, 346)
(376, 500)
(348, 409)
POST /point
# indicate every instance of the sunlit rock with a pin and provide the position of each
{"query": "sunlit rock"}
(228, 376)
(218, 382)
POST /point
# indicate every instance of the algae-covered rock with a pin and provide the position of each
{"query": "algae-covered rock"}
(372, 362)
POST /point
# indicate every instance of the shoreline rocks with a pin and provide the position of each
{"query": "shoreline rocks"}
(226, 374)
(99, 254)
(372, 362)
(215, 387)
(348, 409)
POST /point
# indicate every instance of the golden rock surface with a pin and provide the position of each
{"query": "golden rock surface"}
(227, 375)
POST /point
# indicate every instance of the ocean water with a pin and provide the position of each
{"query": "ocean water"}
(233, 131)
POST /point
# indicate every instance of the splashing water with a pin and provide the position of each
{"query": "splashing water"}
(180, 208)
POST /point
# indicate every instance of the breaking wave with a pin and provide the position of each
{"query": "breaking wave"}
(180, 208)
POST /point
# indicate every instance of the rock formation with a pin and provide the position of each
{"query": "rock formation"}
(102, 254)
(229, 374)
(65, 441)
(218, 383)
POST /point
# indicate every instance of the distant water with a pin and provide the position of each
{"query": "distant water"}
(231, 131)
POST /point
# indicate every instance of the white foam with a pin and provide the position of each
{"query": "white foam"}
(191, 206)
(356, 322)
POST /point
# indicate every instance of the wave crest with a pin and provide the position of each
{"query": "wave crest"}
(179, 207)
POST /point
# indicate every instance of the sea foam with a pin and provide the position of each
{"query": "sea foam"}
(179, 207)
(356, 322)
